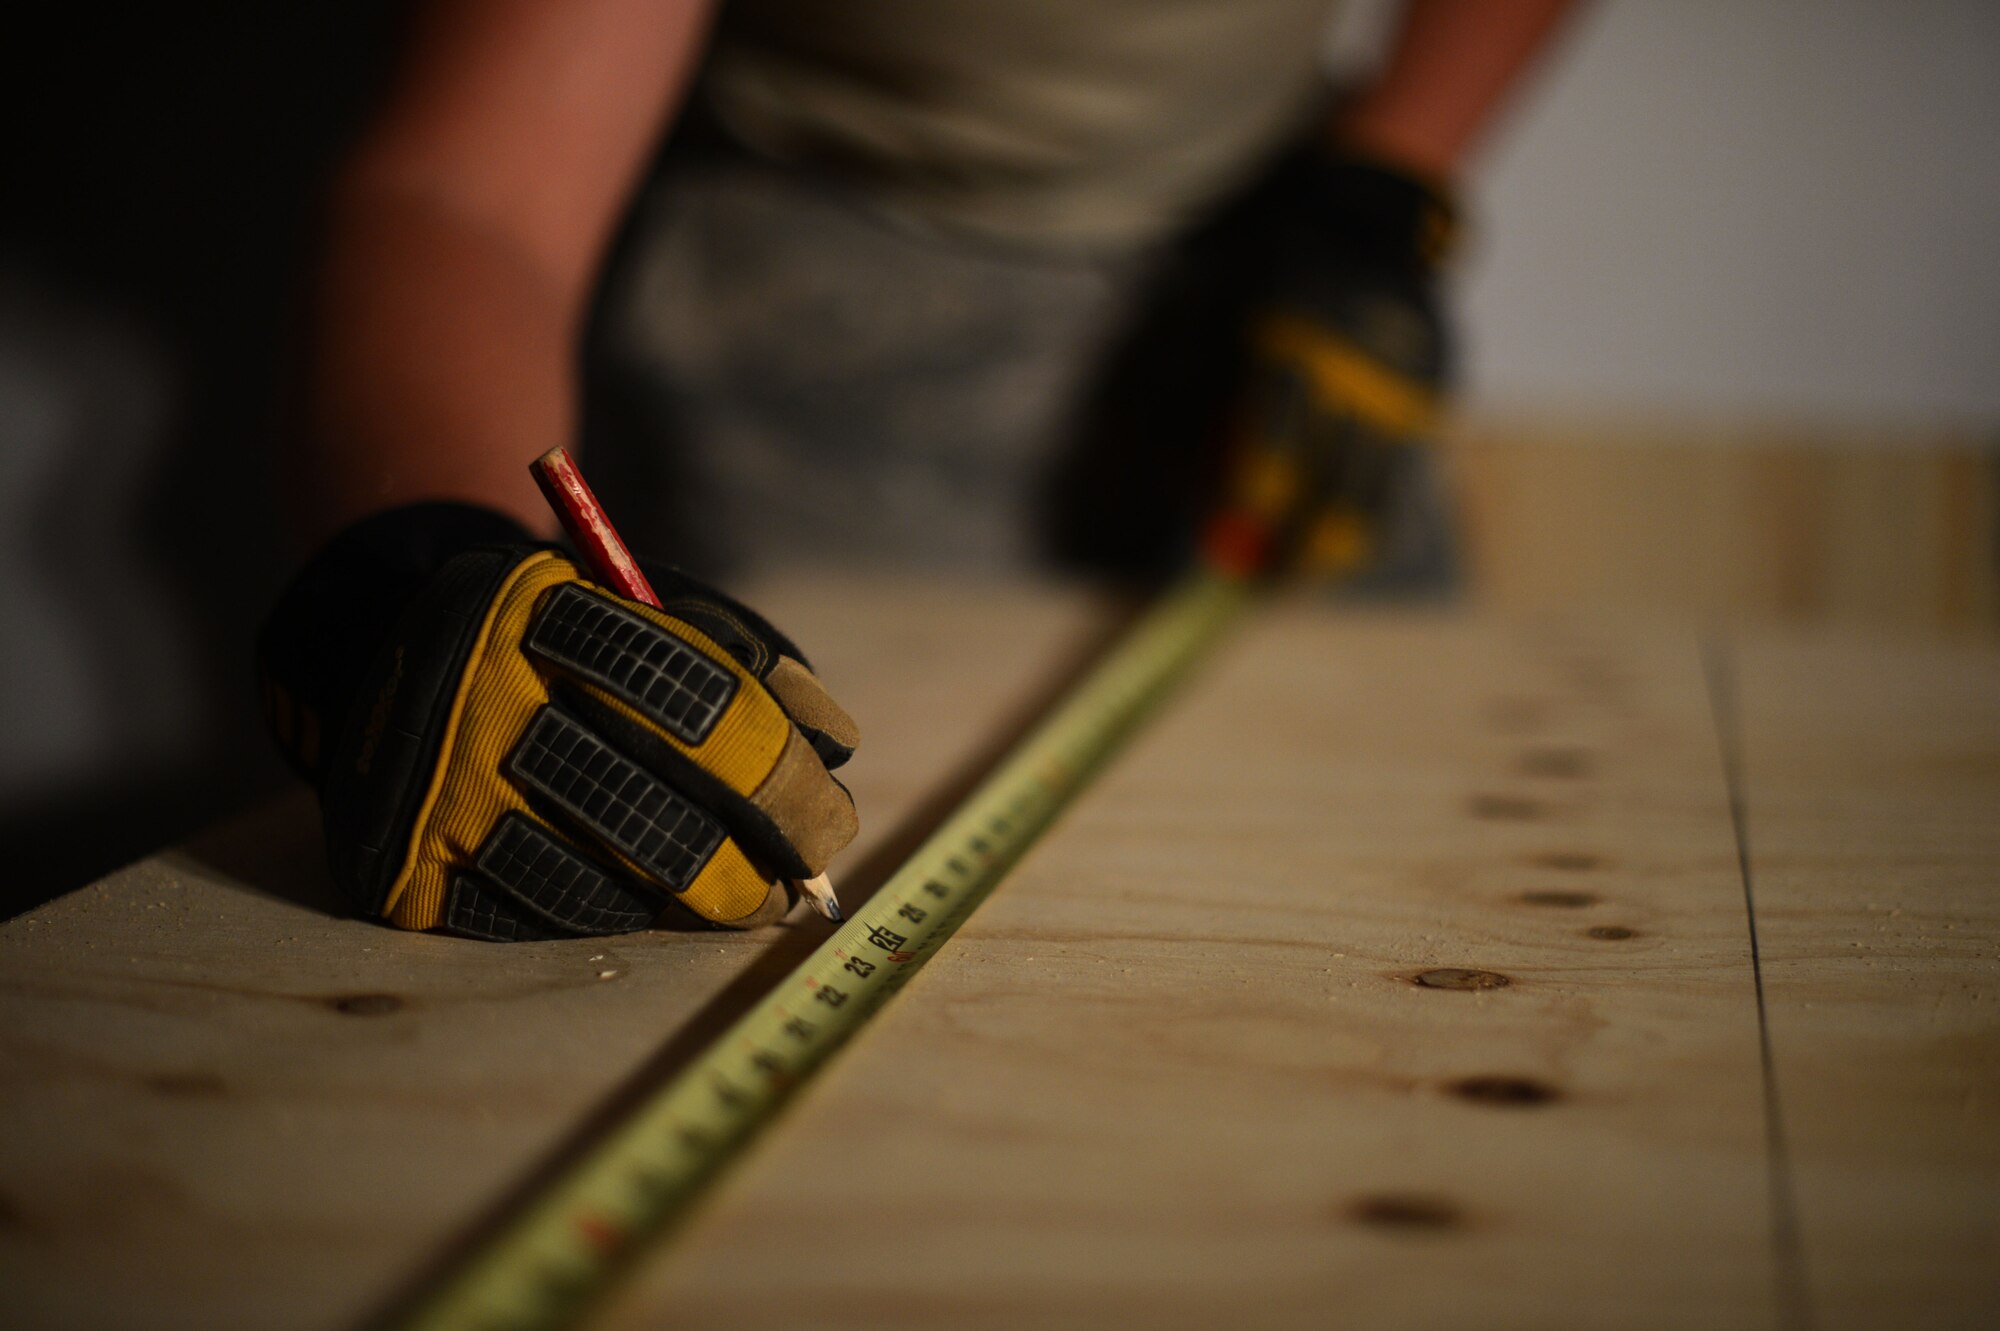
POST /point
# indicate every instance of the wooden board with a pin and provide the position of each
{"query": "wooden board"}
(1872, 777)
(1751, 520)
(1209, 1058)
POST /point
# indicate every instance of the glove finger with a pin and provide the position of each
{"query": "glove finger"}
(650, 826)
(747, 635)
(662, 692)
(525, 882)
(792, 821)
(824, 722)
(472, 909)
(773, 658)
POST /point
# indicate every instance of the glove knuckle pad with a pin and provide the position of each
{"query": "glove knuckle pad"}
(474, 910)
(664, 678)
(525, 884)
(569, 766)
(556, 882)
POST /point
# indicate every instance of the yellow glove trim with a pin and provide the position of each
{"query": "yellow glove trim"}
(728, 887)
(498, 694)
(1347, 379)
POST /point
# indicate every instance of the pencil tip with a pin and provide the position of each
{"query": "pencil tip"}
(819, 891)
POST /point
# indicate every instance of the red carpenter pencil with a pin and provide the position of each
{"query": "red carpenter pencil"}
(589, 529)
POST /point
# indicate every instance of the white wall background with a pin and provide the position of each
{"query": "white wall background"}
(1765, 206)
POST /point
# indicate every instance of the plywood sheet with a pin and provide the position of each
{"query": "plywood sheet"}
(1871, 776)
(1186, 1069)
(1401, 977)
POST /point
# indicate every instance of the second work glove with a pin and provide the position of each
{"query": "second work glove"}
(1345, 361)
(505, 750)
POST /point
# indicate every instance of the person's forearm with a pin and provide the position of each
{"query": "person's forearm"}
(463, 238)
(1450, 68)
(444, 362)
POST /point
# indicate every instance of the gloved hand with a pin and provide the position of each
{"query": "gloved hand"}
(1346, 359)
(505, 750)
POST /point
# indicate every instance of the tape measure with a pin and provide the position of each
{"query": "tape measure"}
(567, 1244)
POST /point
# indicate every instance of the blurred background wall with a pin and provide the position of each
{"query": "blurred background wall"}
(1774, 207)
(1733, 315)
(161, 167)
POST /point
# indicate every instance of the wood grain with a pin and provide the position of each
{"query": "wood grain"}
(1871, 772)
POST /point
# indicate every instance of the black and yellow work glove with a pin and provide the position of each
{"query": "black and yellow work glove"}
(1345, 359)
(505, 750)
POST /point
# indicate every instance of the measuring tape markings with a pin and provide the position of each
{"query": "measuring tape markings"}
(566, 1245)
